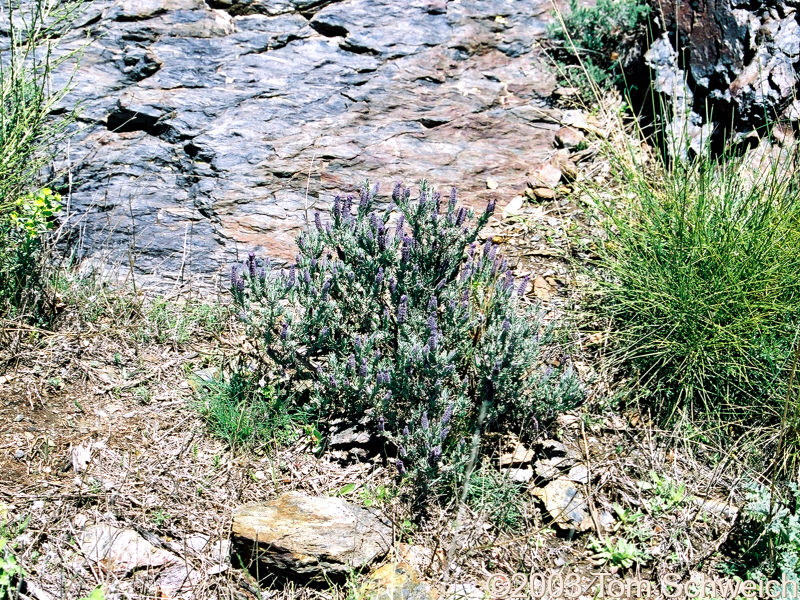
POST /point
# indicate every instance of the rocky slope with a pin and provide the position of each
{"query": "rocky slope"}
(212, 129)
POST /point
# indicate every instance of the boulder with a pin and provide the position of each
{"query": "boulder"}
(310, 538)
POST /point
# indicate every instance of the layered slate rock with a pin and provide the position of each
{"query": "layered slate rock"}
(212, 128)
(308, 538)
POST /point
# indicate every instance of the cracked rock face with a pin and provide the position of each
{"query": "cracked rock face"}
(212, 128)
(741, 58)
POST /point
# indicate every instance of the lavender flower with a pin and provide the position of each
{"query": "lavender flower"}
(490, 207)
(234, 276)
(392, 284)
(337, 207)
(317, 220)
(379, 276)
(398, 231)
(351, 364)
(323, 332)
(433, 303)
(284, 330)
(405, 433)
(307, 276)
(251, 264)
(460, 216)
(402, 310)
(435, 455)
(424, 421)
(523, 286)
(448, 414)
(401, 468)
(509, 282)
(290, 278)
(381, 424)
(362, 370)
(398, 188)
(452, 203)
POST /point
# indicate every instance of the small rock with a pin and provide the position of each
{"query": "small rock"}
(569, 138)
(565, 92)
(519, 475)
(19, 454)
(542, 289)
(546, 470)
(514, 206)
(395, 582)
(546, 175)
(541, 193)
(551, 448)
(121, 551)
(565, 504)
(18, 418)
(492, 184)
(520, 456)
(351, 436)
(309, 537)
(465, 591)
(578, 474)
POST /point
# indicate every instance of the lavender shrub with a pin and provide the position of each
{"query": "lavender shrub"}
(399, 313)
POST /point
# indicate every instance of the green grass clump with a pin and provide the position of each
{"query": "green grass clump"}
(245, 413)
(702, 285)
(594, 45)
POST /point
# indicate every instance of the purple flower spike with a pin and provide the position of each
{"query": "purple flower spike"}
(506, 325)
(509, 282)
(401, 468)
(402, 309)
(234, 275)
(443, 434)
(379, 276)
(452, 202)
(424, 421)
(448, 414)
(307, 276)
(490, 207)
(523, 286)
(251, 264)
(461, 215)
(285, 330)
(398, 189)
(433, 304)
(337, 207)
(362, 369)
(290, 283)
(401, 221)
(351, 364)
(405, 433)
(435, 455)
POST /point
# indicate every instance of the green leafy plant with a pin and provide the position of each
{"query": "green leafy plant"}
(29, 133)
(766, 541)
(397, 313)
(667, 494)
(618, 552)
(10, 571)
(595, 44)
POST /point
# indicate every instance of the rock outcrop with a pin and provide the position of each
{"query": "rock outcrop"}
(212, 128)
(726, 62)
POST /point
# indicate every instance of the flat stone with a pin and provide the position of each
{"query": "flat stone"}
(565, 504)
(519, 475)
(546, 175)
(309, 537)
(569, 138)
(543, 193)
(395, 582)
(121, 551)
(520, 456)
(578, 474)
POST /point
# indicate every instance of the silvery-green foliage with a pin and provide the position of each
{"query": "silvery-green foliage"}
(397, 310)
